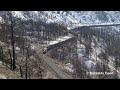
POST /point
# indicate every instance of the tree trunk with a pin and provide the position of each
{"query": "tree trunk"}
(21, 72)
(11, 60)
(12, 42)
(26, 69)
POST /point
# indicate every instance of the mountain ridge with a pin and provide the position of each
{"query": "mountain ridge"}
(70, 19)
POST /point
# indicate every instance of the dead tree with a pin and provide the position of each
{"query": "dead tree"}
(11, 60)
(12, 41)
(26, 67)
(21, 72)
(1, 54)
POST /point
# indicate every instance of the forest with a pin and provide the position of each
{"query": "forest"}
(32, 49)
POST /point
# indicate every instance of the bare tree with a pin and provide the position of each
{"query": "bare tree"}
(12, 41)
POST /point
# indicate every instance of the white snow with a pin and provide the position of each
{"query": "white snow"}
(2, 76)
(73, 19)
(0, 62)
(18, 14)
(32, 47)
(90, 64)
(60, 39)
(69, 67)
(2, 43)
(17, 48)
(53, 42)
(0, 18)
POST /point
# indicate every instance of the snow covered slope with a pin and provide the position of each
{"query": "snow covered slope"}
(0, 19)
(70, 19)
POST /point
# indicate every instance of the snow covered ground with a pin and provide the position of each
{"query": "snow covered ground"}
(17, 48)
(18, 14)
(60, 39)
(96, 50)
(2, 76)
(0, 62)
(1, 20)
(69, 67)
(90, 64)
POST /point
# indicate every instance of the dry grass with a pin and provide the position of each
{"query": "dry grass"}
(6, 73)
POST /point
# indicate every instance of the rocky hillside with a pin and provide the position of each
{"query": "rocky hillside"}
(70, 19)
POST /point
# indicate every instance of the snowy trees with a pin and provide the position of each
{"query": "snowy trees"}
(107, 40)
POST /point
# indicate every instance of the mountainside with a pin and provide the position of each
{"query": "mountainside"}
(70, 19)
(60, 44)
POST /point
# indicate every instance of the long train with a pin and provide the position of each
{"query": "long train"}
(50, 47)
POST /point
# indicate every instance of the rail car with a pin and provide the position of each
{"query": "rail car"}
(48, 48)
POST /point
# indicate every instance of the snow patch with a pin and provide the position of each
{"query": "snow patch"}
(18, 14)
(69, 69)
(32, 47)
(53, 42)
(69, 65)
(60, 39)
(0, 62)
(2, 76)
(90, 64)
(17, 48)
